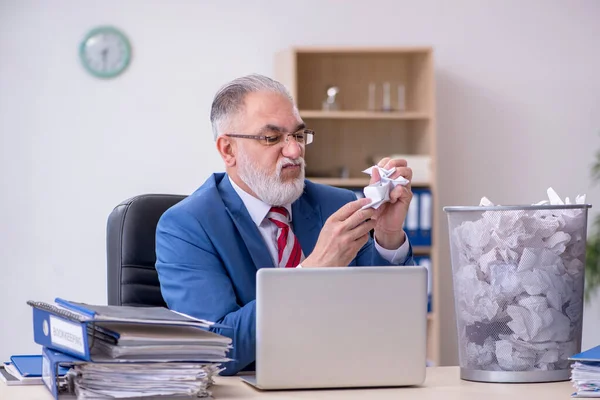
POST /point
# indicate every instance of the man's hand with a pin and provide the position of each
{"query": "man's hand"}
(342, 236)
(390, 216)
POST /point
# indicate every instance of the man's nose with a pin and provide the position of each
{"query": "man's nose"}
(291, 148)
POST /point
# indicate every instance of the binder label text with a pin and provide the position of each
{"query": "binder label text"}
(66, 334)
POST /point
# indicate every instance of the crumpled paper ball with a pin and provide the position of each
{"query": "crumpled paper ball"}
(379, 192)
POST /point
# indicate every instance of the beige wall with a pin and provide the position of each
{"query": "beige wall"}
(518, 105)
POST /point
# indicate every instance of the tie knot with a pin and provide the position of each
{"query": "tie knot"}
(279, 214)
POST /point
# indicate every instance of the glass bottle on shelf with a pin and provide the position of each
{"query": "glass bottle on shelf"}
(387, 100)
(331, 104)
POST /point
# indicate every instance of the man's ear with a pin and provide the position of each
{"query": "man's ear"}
(227, 150)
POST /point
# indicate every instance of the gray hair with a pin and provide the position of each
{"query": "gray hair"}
(229, 100)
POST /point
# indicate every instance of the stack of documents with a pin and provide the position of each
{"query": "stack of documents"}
(585, 373)
(157, 343)
(94, 380)
(126, 352)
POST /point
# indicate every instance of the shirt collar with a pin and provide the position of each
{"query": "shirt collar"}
(257, 208)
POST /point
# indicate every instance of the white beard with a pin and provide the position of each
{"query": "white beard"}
(268, 187)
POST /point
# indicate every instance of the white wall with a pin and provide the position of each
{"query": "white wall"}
(518, 111)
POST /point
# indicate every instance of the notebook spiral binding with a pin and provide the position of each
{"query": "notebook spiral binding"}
(57, 310)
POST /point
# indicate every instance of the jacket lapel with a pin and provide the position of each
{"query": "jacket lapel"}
(306, 223)
(249, 232)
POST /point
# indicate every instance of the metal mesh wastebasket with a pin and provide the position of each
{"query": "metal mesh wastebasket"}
(518, 275)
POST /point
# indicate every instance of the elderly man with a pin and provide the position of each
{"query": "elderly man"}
(263, 213)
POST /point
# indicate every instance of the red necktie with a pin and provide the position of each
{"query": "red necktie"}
(288, 247)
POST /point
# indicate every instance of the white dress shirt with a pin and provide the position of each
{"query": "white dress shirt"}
(258, 211)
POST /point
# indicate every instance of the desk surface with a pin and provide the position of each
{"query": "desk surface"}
(441, 383)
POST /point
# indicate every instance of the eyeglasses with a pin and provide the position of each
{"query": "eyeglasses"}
(303, 137)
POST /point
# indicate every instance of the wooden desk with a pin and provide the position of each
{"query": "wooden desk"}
(441, 383)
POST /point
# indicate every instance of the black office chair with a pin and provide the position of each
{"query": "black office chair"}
(130, 249)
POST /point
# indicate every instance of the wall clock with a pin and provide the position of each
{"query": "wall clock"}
(105, 52)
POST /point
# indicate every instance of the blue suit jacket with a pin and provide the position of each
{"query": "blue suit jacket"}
(208, 250)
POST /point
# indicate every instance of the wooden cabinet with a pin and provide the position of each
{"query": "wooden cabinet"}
(385, 106)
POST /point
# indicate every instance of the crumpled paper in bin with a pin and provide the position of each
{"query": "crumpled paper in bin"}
(519, 286)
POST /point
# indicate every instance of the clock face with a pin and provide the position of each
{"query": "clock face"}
(105, 52)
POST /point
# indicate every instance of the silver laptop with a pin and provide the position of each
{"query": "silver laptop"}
(340, 327)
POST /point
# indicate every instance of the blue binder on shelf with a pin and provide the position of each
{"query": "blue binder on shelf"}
(419, 218)
(70, 327)
(411, 222)
(425, 216)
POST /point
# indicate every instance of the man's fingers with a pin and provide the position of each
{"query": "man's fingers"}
(384, 161)
(362, 229)
(394, 162)
(358, 218)
(375, 177)
(403, 171)
(349, 209)
(396, 193)
(400, 192)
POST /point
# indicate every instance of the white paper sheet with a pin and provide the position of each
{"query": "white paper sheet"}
(144, 380)
(379, 192)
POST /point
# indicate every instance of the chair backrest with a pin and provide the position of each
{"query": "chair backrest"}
(130, 249)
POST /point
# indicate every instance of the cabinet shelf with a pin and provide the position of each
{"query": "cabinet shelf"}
(354, 182)
(362, 50)
(392, 115)
(421, 250)
(358, 135)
